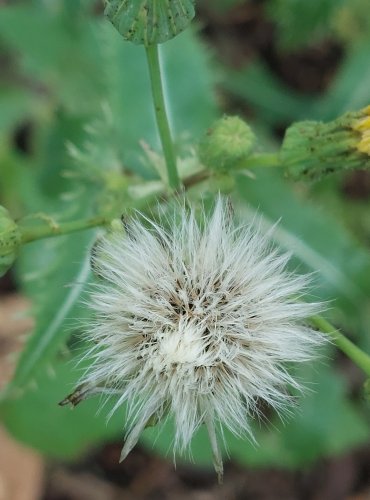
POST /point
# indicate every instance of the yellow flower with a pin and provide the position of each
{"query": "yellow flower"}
(362, 125)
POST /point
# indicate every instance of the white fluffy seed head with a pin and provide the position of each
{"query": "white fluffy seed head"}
(198, 321)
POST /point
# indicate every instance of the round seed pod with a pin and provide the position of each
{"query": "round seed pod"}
(227, 142)
(148, 22)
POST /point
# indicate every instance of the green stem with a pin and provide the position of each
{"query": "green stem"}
(49, 229)
(161, 115)
(361, 358)
(260, 160)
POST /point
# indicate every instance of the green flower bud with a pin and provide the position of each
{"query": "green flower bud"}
(313, 149)
(228, 141)
(10, 240)
(148, 22)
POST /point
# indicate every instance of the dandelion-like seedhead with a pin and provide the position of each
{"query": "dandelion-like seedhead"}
(197, 321)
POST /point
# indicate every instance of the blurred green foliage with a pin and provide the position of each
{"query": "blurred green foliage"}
(68, 79)
(300, 22)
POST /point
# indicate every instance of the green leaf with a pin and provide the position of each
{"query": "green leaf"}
(37, 420)
(149, 22)
(86, 64)
(55, 273)
(18, 105)
(67, 64)
(275, 102)
(191, 112)
(352, 21)
(300, 22)
(317, 240)
(350, 88)
(278, 104)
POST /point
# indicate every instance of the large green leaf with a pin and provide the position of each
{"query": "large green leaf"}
(18, 105)
(86, 65)
(55, 273)
(66, 65)
(37, 420)
(318, 242)
(278, 104)
(350, 88)
(300, 22)
(274, 102)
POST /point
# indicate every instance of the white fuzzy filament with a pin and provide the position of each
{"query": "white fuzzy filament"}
(198, 322)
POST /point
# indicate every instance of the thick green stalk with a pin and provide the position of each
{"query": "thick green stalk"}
(51, 228)
(262, 160)
(161, 115)
(361, 358)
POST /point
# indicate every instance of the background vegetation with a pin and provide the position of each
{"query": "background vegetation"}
(75, 107)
